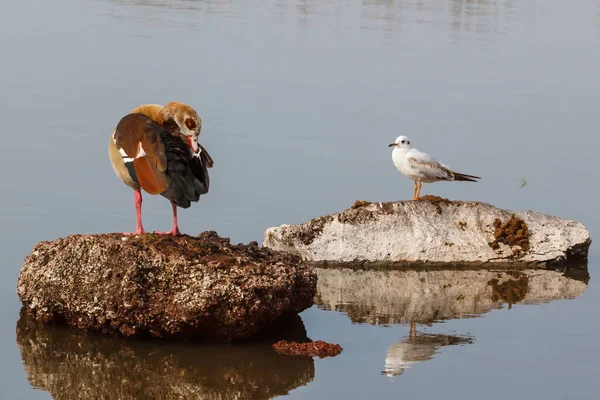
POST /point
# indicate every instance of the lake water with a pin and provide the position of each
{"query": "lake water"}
(299, 100)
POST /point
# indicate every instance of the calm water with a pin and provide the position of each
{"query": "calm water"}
(299, 100)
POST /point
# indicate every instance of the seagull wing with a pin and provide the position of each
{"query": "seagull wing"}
(428, 167)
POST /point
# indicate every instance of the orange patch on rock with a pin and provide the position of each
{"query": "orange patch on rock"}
(318, 348)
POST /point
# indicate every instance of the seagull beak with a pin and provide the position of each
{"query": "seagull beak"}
(392, 145)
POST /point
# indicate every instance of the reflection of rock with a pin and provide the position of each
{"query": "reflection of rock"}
(388, 297)
(183, 6)
(510, 291)
(433, 232)
(201, 286)
(72, 364)
(403, 354)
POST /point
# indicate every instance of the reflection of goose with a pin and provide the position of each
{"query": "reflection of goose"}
(415, 349)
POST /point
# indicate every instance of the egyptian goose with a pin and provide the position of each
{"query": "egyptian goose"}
(156, 148)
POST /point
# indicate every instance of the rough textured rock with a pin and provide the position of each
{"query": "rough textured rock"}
(399, 297)
(318, 348)
(201, 287)
(74, 364)
(434, 231)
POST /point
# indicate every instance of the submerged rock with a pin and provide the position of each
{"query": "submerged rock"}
(434, 232)
(201, 287)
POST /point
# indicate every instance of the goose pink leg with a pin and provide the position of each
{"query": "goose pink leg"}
(175, 230)
(139, 229)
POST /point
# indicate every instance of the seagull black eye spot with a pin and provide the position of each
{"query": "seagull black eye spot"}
(402, 142)
(407, 142)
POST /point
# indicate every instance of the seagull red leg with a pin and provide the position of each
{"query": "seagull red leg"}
(175, 230)
(139, 229)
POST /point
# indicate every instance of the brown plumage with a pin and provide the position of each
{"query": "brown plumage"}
(156, 148)
(151, 111)
(150, 179)
(139, 138)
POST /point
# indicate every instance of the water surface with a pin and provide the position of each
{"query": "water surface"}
(299, 100)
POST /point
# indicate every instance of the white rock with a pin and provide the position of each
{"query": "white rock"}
(429, 232)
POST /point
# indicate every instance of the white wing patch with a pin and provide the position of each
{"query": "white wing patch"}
(140, 153)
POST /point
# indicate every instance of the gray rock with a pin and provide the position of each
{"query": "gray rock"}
(434, 231)
(163, 286)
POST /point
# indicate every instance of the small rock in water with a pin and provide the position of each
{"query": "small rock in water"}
(317, 348)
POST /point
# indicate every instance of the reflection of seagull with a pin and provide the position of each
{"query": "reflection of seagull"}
(410, 351)
(420, 167)
(402, 355)
(396, 359)
(413, 330)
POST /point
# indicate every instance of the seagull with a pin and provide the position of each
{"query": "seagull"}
(421, 167)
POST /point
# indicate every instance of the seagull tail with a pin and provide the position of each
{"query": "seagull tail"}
(465, 177)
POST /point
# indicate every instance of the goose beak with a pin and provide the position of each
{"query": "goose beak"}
(193, 141)
(392, 145)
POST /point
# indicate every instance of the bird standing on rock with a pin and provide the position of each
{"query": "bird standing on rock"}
(156, 148)
(420, 167)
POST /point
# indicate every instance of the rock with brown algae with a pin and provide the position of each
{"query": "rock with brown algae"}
(434, 232)
(163, 286)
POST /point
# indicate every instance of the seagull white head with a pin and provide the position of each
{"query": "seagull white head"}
(401, 142)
